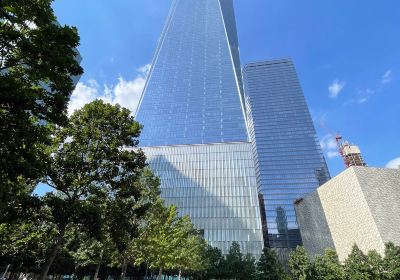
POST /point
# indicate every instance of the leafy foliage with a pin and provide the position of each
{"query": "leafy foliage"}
(300, 264)
(215, 263)
(357, 266)
(38, 60)
(391, 261)
(268, 266)
(238, 266)
(327, 267)
(97, 175)
(168, 242)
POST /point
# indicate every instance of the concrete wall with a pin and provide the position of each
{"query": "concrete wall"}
(381, 188)
(359, 206)
(313, 226)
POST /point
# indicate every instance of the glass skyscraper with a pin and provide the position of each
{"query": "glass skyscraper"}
(193, 94)
(195, 134)
(288, 159)
(215, 184)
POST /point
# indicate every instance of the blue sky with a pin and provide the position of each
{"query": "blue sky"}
(346, 54)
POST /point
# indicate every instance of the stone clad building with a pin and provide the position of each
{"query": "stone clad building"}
(359, 206)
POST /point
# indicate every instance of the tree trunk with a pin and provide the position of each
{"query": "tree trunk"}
(52, 256)
(160, 274)
(5, 272)
(179, 275)
(96, 274)
(124, 267)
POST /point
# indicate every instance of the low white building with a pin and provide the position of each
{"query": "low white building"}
(359, 206)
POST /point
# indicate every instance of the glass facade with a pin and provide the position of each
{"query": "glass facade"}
(215, 184)
(193, 93)
(195, 134)
(288, 159)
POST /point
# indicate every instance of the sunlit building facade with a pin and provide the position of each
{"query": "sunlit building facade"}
(195, 134)
(215, 184)
(193, 94)
(288, 158)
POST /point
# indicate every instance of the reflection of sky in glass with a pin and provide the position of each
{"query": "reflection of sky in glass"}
(289, 161)
(192, 94)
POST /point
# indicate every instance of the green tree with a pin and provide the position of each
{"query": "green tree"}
(376, 265)
(89, 252)
(300, 264)
(22, 244)
(391, 261)
(214, 263)
(238, 266)
(327, 267)
(37, 63)
(233, 264)
(268, 266)
(125, 212)
(356, 266)
(156, 243)
(168, 242)
(249, 270)
(190, 250)
(92, 164)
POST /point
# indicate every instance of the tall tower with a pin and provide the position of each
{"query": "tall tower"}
(195, 136)
(288, 159)
(193, 94)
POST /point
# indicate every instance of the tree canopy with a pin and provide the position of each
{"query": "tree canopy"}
(170, 242)
(38, 62)
(268, 266)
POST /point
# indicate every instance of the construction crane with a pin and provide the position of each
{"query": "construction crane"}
(350, 153)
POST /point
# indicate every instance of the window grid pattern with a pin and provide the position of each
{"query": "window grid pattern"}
(289, 160)
(193, 92)
(215, 185)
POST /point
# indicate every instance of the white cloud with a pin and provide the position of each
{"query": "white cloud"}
(332, 154)
(362, 100)
(328, 142)
(329, 146)
(364, 95)
(145, 69)
(387, 77)
(126, 93)
(394, 163)
(335, 88)
(360, 97)
(82, 95)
